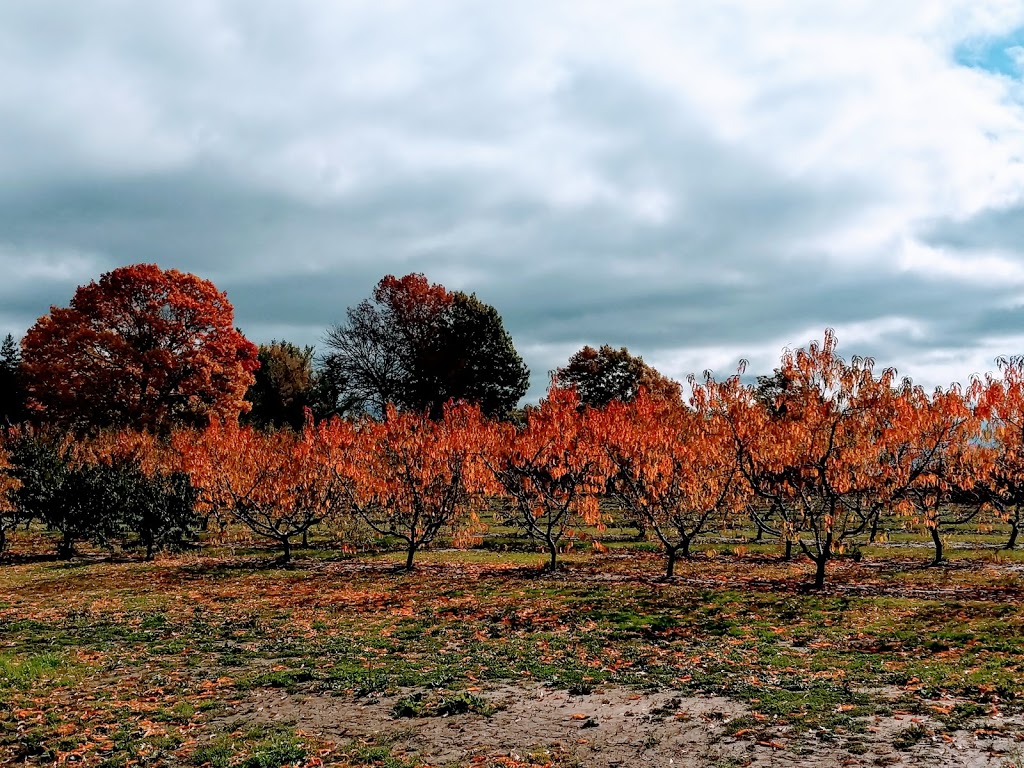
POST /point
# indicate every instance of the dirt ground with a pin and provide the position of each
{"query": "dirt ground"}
(613, 727)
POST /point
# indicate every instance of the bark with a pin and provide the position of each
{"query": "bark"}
(684, 547)
(66, 548)
(937, 541)
(670, 567)
(874, 528)
(819, 570)
(410, 553)
(1012, 543)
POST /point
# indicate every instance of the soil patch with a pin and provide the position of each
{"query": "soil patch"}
(612, 726)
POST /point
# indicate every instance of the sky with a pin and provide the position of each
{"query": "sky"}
(700, 181)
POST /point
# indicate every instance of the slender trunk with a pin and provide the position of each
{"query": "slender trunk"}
(553, 553)
(66, 548)
(819, 570)
(788, 554)
(286, 549)
(1014, 528)
(937, 541)
(820, 559)
(670, 567)
(1014, 531)
(684, 547)
(150, 548)
(305, 538)
(759, 536)
(874, 528)
(410, 553)
(3, 539)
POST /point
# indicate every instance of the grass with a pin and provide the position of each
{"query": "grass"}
(177, 643)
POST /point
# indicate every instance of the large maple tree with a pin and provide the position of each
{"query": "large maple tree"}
(141, 347)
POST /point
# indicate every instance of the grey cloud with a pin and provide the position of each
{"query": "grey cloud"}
(296, 155)
(993, 228)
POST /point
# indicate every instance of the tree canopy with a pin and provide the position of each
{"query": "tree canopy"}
(284, 385)
(141, 347)
(606, 374)
(416, 345)
(12, 395)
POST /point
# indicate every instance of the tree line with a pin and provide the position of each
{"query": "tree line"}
(153, 349)
(824, 454)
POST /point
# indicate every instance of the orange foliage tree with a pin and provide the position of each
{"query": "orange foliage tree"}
(814, 467)
(1002, 408)
(274, 483)
(142, 347)
(409, 476)
(671, 467)
(552, 469)
(935, 459)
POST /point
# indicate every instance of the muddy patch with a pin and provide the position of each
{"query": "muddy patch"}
(612, 727)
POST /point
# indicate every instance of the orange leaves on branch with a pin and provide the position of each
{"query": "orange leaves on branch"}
(411, 476)
(551, 470)
(142, 347)
(671, 467)
(272, 482)
(814, 457)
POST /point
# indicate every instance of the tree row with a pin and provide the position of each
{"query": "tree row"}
(822, 455)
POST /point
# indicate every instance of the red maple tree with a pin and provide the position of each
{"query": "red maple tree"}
(141, 347)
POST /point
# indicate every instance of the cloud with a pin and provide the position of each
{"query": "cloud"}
(698, 181)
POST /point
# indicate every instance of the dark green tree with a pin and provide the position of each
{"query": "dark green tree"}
(153, 512)
(416, 345)
(47, 491)
(606, 374)
(105, 503)
(12, 394)
(284, 386)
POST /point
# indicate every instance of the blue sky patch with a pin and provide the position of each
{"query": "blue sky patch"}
(1003, 55)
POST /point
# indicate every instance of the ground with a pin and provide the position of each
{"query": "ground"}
(480, 658)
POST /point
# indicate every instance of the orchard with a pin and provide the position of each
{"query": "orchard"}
(820, 565)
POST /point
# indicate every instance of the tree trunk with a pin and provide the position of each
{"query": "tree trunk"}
(670, 567)
(305, 538)
(759, 536)
(66, 548)
(1012, 543)
(150, 549)
(286, 550)
(874, 528)
(553, 552)
(937, 541)
(788, 554)
(819, 570)
(409, 555)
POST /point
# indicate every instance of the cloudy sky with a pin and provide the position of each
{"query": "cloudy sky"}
(699, 181)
